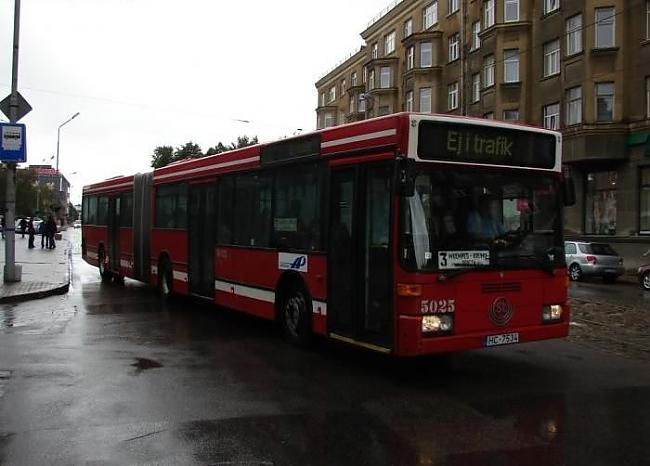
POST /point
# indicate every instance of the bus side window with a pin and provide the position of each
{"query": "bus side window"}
(225, 210)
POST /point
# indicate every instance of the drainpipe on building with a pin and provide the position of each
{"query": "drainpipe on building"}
(463, 59)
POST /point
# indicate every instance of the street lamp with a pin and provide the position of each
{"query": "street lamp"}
(58, 137)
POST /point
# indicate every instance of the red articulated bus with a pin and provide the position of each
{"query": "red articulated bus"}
(407, 234)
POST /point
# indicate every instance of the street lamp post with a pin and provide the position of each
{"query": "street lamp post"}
(58, 138)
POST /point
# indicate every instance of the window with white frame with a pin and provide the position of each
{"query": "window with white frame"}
(488, 13)
(476, 39)
(375, 50)
(343, 86)
(574, 35)
(389, 43)
(476, 87)
(331, 96)
(453, 47)
(605, 27)
(551, 5)
(364, 75)
(330, 120)
(384, 77)
(353, 79)
(409, 101)
(425, 100)
(647, 97)
(647, 19)
(430, 15)
(552, 57)
(322, 99)
(352, 99)
(511, 115)
(552, 116)
(361, 104)
(510, 10)
(410, 57)
(488, 70)
(573, 106)
(453, 6)
(371, 79)
(426, 58)
(604, 101)
(511, 65)
(452, 96)
(408, 27)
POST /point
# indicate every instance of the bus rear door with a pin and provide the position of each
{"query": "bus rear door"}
(201, 238)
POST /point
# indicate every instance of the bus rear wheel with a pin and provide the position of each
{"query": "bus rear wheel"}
(104, 271)
(295, 315)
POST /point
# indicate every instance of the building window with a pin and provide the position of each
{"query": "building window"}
(476, 87)
(476, 39)
(361, 105)
(330, 120)
(430, 15)
(364, 76)
(453, 6)
(644, 207)
(552, 58)
(375, 50)
(425, 100)
(605, 27)
(647, 19)
(383, 110)
(331, 96)
(371, 80)
(600, 208)
(489, 116)
(343, 87)
(511, 115)
(488, 71)
(552, 116)
(647, 97)
(453, 47)
(604, 101)
(511, 65)
(408, 27)
(452, 96)
(574, 106)
(574, 35)
(351, 104)
(389, 43)
(322, 99)
(384, 77)
(353, 79)
(409, 101)
(551, 5)
(488, 13)
(510, 11)
(426, 58)
(410, 57)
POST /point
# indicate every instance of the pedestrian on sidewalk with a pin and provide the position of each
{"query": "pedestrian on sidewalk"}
(23, 226)
(45, 239)
(31, 231)
(51, 231)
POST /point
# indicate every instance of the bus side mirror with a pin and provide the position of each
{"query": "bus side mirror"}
(405, 177)
(568, 190)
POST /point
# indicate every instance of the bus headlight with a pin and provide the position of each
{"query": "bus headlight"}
(552, 313)
(437, 323)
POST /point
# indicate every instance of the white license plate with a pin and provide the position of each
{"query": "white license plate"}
(503, 339)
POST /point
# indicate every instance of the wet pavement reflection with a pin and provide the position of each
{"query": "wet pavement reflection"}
(123, 378)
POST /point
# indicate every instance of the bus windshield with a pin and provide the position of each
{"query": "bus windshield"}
(464, 219)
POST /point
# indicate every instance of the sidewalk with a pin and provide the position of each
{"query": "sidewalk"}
(45, 271)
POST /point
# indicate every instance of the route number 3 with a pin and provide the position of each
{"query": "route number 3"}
(437, 306)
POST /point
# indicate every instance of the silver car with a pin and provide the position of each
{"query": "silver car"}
(592, 259)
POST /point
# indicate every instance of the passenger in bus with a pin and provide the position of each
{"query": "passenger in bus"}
(481, 224)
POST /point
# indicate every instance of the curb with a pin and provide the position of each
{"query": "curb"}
(56, 290)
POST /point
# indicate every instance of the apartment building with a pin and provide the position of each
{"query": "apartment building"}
(581, 67)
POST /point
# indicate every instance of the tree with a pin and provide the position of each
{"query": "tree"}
(188, 151)
(73, 213)
(162, 155)
(242, 141)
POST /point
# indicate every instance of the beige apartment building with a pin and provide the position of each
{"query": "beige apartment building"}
(581, 67)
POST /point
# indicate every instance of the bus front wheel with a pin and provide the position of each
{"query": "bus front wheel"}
(295, 315)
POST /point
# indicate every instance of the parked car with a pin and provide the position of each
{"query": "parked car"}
(76, 224)
(592, 259)
(644, 273)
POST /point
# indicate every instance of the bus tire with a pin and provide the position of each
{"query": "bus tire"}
(295, 314)
(104, 271)
(165, 279)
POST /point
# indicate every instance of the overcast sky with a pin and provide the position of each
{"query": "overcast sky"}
(144, 73)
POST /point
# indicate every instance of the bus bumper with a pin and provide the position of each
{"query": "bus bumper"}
(411, 341)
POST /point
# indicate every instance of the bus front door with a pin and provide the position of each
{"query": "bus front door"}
(114, 233)
(359, 266)
(201, 237)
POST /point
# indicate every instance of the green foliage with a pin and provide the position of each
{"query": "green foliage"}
(164, 155)
(73, 213)
(31, 198)
(242, 141)
(188, 151)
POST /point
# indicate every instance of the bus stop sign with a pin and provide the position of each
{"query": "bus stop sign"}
(12, 144)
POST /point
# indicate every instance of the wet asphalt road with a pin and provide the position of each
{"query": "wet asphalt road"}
(619, 293)
(107, 375)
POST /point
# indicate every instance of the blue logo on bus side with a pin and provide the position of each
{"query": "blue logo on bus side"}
(298, 262)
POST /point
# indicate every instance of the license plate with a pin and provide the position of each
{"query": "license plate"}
(503, 339)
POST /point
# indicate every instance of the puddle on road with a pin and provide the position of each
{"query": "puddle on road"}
(143, 364)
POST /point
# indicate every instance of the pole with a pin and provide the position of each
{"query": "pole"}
(58, 139)
(10, 272)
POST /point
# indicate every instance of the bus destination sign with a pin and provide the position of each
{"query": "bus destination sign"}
(459, 142)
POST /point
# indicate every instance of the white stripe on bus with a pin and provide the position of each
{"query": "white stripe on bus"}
(107, 188)
(208, 167)
(245, 291)
(362, 137)
(180, 275)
